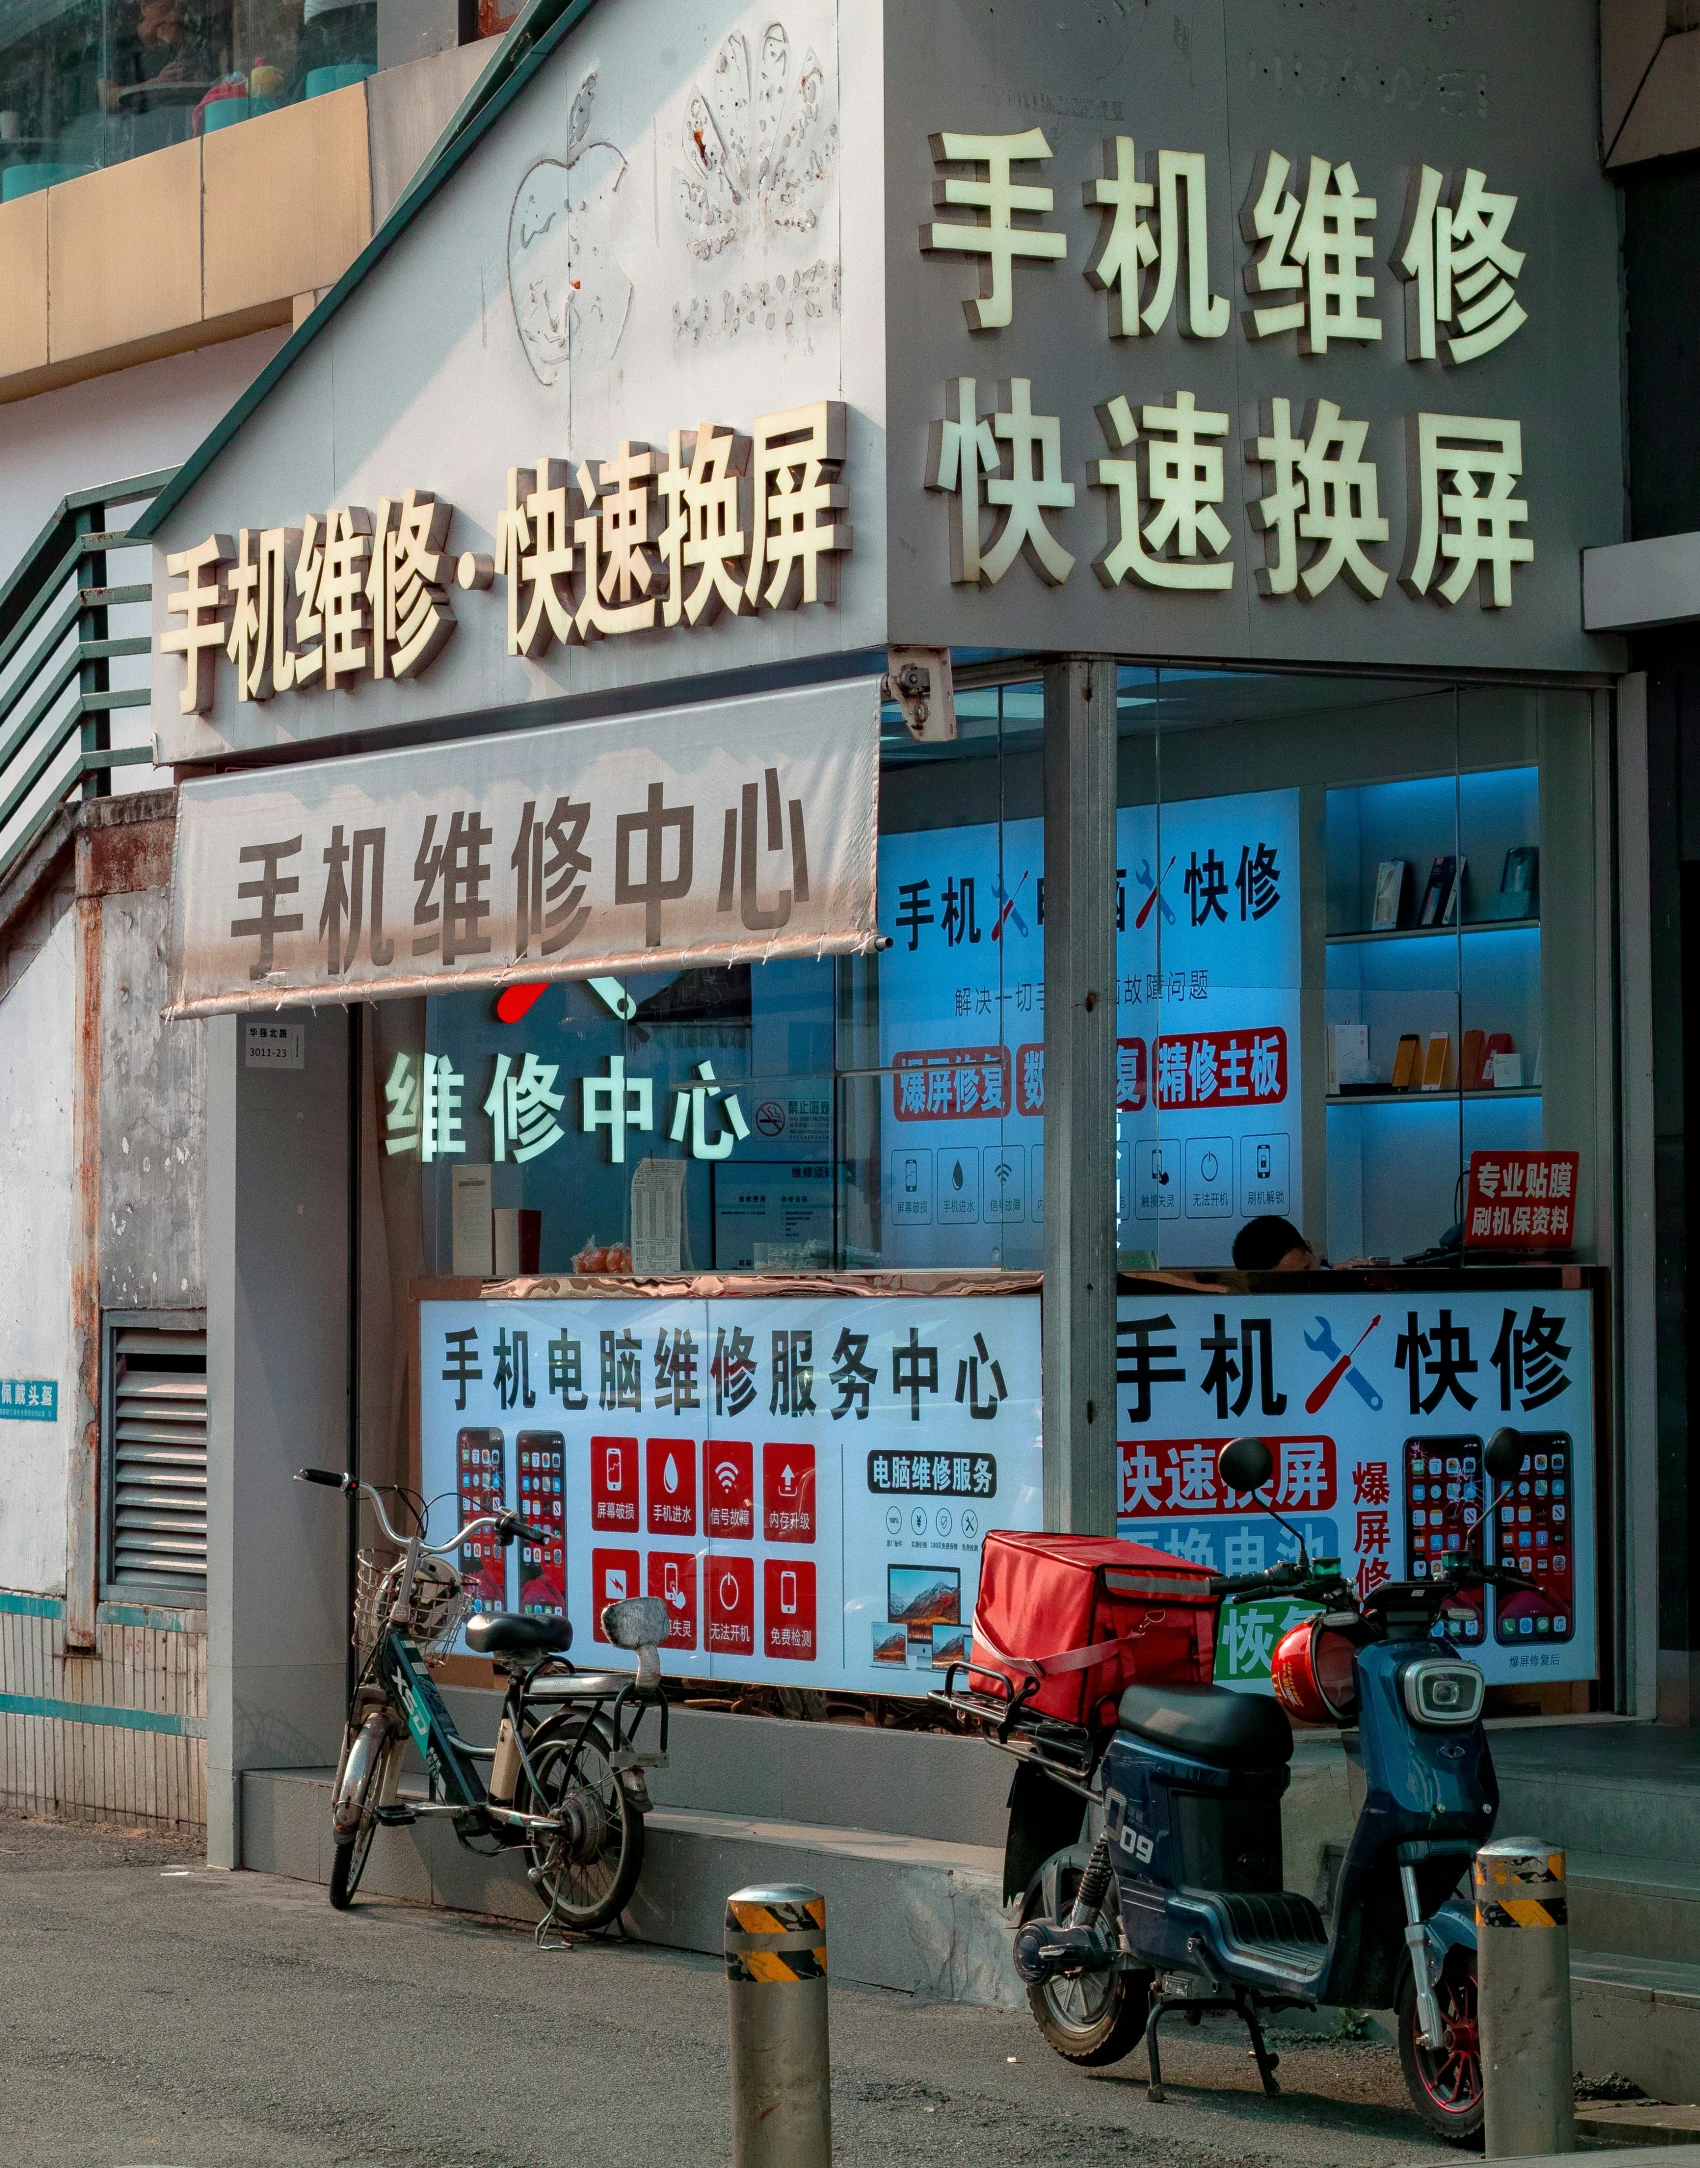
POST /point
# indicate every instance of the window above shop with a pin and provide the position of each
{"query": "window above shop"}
(86, 84)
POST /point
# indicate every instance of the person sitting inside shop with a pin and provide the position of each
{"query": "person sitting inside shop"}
(1273, 1244)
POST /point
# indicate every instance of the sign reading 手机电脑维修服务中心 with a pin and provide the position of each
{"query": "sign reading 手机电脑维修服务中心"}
(804, 1481)
(29, 1400)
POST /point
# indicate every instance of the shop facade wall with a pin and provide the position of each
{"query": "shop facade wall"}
(102, 1704)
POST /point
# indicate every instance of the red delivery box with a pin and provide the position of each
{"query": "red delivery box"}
(1070, 1621)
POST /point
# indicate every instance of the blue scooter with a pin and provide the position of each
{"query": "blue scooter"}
(1179, 1905)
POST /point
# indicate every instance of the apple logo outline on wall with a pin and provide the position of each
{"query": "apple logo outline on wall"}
(570, 295)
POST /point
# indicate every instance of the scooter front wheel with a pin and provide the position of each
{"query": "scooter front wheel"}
(1097, 2017)
(1445, 2083)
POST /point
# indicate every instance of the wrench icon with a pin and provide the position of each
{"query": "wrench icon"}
(1148, 880)
(1323, 1342)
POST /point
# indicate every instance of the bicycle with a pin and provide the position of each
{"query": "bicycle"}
(565, 1781)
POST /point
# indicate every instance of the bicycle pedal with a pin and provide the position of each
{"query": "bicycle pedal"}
(395, 1817)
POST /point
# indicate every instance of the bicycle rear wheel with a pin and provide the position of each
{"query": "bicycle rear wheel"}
(360, 1791)
(585, 1870)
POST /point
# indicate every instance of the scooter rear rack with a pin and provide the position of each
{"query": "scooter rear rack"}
(1069, 1752)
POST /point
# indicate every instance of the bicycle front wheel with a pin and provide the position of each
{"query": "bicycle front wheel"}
(586, 1869)
(360, 1791)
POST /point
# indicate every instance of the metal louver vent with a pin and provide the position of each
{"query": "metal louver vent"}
(159, 1456)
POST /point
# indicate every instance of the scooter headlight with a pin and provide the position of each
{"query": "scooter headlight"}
(1444, 1690)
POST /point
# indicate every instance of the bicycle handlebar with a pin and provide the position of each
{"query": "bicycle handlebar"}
(506, 1525)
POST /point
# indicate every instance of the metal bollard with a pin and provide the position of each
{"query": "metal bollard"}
(781, 2066)
(1523, 1999)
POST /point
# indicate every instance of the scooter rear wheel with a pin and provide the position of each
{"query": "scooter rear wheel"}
(1445, 2083)
(1100, 2016)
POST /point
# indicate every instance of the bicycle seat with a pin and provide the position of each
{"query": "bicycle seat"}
(1210, 1724)
(515, 1633)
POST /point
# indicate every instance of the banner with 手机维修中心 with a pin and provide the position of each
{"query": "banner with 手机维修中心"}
(737, 831)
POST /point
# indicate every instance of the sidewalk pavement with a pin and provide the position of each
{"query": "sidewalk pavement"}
(156, 2011)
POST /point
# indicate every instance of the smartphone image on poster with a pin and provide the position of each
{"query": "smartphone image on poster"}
(1533, 1534)
(483, 1562)
(1443, 1510)
(541, 1458)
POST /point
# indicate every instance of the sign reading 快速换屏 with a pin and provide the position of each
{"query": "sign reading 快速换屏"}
(804, 1481)
(1228, 342)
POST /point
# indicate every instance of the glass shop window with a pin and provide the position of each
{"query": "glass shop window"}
(92, 83)
(848, 1114)
(1374, 955)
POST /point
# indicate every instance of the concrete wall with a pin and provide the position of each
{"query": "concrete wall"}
(277, 1386)
(37, 1084)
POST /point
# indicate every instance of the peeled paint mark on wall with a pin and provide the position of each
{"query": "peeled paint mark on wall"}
(152, 1119)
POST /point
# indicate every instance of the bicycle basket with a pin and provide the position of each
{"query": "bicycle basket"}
(439, 1601)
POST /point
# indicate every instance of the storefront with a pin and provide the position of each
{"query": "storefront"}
(667, 1082)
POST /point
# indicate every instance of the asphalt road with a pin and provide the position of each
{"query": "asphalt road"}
(155, 2012)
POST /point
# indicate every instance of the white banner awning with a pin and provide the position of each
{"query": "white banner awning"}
(727, 833)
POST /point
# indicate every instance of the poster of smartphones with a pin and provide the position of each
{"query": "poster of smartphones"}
(804, 1483)
(1377, 1408)
(1207, 1032)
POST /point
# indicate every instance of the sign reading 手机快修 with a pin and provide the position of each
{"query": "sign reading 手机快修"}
(736, 832)
(29, 1400)
(804, 1481)
(1376, 1407)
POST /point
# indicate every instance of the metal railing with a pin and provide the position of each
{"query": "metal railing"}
(57, 700)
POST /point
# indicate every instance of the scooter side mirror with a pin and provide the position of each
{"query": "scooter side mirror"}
(1245, 1464)
(1502, 1457)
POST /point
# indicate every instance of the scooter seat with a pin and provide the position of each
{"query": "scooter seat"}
(1210, 1724)
(517, 1633)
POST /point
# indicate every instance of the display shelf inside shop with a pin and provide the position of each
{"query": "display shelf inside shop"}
(1394, 1169)
(1450, 1096)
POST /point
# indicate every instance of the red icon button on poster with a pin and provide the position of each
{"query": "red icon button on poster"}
(788, 1608)
(728, 1487)
(672, 1485)
(614, 1575)
(788, 1493)
(673, 1577)
(731, 1606)
(614, 1484)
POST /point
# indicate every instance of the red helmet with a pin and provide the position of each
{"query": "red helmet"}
(1313, 1674)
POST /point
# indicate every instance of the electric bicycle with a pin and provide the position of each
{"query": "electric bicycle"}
(564, 1782)
(1177, 1903)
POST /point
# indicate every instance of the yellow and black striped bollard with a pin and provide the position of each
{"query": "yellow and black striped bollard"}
(781, 2065)
(1523, 1998)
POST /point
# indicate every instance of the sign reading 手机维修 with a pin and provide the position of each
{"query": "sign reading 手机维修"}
(1229, 337)
(804, 1481)
(1203, 355)
(29, 1400)
(721, 524)
(736, 832)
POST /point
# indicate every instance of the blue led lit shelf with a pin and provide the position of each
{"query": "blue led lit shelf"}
(1430, 933)
(1431, 1099)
